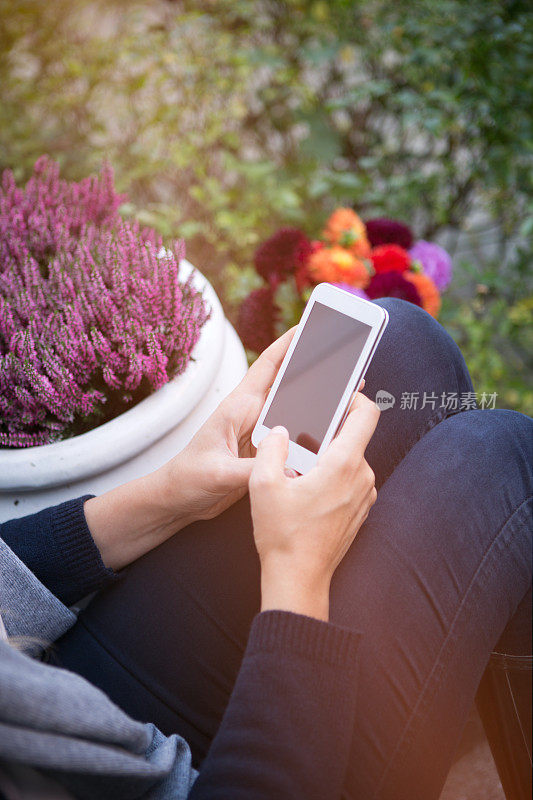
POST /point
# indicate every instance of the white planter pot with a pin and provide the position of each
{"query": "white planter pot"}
(137, 441)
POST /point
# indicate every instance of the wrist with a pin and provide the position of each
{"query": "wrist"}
(288, 586)
(132, 519)
(174, 493)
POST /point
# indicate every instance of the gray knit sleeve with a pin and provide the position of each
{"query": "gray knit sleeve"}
(28, 609)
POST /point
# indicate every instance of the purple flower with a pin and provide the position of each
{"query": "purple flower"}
(92, 316)
(436, 262)
(352, 289)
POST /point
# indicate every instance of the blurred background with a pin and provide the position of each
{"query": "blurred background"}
(224, 120)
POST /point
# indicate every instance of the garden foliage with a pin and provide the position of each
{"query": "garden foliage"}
(226, 120)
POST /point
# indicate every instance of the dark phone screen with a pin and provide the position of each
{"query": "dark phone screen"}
(317, 375)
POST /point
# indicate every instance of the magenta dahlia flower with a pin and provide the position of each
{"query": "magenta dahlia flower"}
(352, 289)
(388, 231)
(435, 261)
(391, 284)
(258, 315)
(281, 255)
(91, 318)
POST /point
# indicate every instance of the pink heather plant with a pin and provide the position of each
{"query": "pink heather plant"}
(91, 319)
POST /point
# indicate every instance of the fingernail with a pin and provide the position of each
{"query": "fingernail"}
(280, 429)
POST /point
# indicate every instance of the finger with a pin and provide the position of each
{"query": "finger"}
(261, 374)
(240, 470)
(271, 456)
(290, 472)
(359, 389)
(358, 427)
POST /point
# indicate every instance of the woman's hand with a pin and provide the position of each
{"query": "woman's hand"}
(303, 526)
(212, 472)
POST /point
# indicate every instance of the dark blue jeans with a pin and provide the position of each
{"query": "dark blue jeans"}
(436, 577)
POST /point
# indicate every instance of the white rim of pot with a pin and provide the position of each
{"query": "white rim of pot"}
(116, 441)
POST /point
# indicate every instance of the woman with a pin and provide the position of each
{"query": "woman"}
(357, 676)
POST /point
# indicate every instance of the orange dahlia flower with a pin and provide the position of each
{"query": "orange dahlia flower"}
(346, 229)
(429, 294)
(338, 265)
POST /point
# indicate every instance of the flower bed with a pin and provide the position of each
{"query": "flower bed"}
(372, 260)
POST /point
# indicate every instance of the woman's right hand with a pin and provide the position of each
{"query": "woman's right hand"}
(303, 526)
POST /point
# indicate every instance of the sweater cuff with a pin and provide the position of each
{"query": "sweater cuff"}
(309, 638)
(84, 571)
(57, 546)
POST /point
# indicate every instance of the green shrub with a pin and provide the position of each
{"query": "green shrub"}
(493, 328)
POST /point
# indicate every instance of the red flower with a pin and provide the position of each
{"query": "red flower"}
(256, 324)
(392, 284)
(281, 255)
(388, 231)
(390, 258)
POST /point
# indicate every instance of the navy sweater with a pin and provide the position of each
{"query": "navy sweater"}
(288, 726)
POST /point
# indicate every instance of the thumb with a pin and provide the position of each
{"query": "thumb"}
(240, 470)
(271, 455)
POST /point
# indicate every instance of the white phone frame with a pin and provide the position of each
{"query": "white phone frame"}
(299, 458)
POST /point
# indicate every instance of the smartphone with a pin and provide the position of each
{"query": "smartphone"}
(327, 358)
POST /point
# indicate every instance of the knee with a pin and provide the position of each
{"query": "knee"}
(412, 334)
(408, 319)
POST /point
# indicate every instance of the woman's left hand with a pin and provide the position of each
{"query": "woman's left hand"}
(212, 472)
(203, 480)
